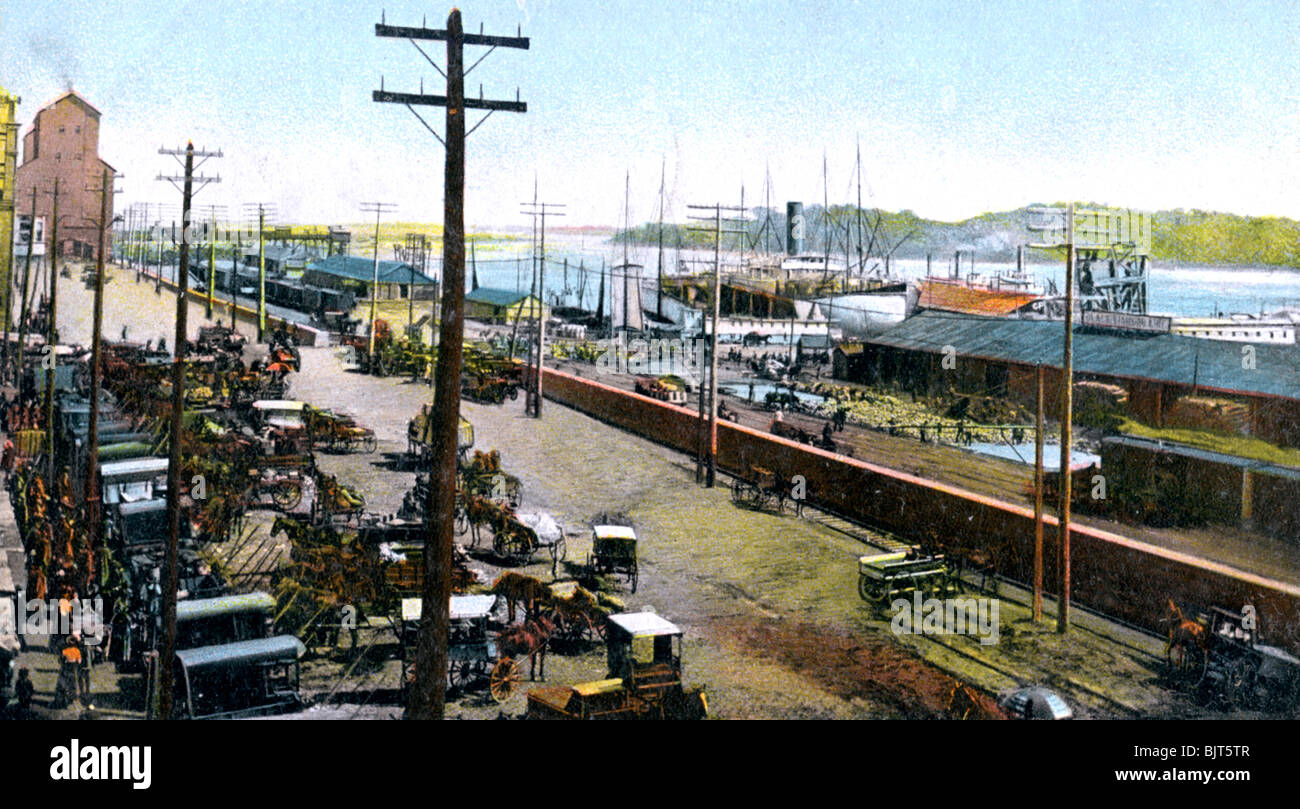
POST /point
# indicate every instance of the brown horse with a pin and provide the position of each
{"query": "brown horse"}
(527, 639)
(516, 588)
(1188, 640)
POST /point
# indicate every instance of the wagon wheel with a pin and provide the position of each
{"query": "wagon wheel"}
(873, 590)
(369, 444)
(461, 674)
(504, 677)
(287, 494)
(514, 393)
(1186, 660)
(509, 545)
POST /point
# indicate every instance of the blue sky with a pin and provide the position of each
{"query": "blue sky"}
(959, 107)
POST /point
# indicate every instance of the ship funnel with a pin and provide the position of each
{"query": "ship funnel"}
(794, 228)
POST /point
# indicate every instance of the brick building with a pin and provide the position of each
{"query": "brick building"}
(63, 143)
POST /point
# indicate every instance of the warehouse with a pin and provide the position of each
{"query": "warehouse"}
(1167, 380)
(356, 274)
(500, 305)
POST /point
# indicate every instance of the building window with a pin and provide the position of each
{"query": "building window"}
(58, 155)
(61, 130)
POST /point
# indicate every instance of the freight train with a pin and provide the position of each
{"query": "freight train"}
(291, 293)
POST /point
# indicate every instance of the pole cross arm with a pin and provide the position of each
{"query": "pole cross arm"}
(387, 96)
(407, 32)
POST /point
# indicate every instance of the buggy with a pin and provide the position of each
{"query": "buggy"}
(644, 680)
(614, 552)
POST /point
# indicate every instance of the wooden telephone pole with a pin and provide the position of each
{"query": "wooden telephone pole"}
(1068, 242)
(539, 211)
(261, 209)
(92, 426)
(24, 303)
(708, 469)
(378, 209)
(428, 692)
(1067, 415)
(52, 336)
(166, 675)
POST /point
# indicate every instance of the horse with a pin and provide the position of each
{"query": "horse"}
(1188, 639)
(530, 639)
(516, 588)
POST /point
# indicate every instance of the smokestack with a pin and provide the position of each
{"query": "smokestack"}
(794, 228)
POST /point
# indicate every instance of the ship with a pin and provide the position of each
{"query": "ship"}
(991, 296)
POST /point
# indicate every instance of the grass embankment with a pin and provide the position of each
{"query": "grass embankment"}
(1226, 443)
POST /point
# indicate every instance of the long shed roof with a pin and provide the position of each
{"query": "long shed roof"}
(1171, 358)
(357, 268)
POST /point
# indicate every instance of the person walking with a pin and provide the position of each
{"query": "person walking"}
(24, 690)
(83, 673)
(65, 691)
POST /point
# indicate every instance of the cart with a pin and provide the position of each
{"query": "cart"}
(471, 648)
(644, 680)
(420, 431)
(883, 577)
(614, 552)
(761, 487)
(1242, 673)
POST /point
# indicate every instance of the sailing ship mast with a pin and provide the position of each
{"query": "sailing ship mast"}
(659, 290)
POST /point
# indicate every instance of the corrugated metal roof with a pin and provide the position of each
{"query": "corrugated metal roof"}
(189, 609)
(496, 297)
(283, 647)
(363, 269)
(1208, 364)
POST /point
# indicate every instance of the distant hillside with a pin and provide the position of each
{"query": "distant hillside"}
(1192, 237)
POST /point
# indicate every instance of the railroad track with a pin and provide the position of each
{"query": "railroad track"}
(1013, 592)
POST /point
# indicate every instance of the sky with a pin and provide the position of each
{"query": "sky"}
(958, 107)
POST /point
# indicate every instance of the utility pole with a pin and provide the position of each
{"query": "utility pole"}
(52, 336)
(92, 427)
(376, 208)
(734, 227)
(234, 279)
(659, 289)
(1038, 499)
(1067, 242)
(429, 689)
(262, 208)
(1067, 414)
(539, 211)
(212, 255)
(24, 303)
(166, 676)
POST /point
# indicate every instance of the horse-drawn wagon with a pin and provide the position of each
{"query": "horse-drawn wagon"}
(883, 577)
(338, 432)
(761, 486)
(419, 435)
(472, 651)
(613, 552)
(1220, 651)
(643, 681)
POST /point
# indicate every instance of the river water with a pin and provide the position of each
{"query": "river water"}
(1191, 291)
